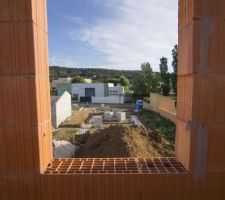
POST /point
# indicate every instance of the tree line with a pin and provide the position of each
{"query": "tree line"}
(96, 74)
(138, 82)
(148, 81)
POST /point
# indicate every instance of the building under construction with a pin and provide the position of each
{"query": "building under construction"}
(27, 168)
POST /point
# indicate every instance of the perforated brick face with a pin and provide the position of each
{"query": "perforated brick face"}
(115, 166)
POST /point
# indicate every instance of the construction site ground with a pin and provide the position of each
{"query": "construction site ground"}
(113, 139)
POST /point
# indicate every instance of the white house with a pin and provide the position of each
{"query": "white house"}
(89, 89)
(61, 108)
(116, 90)
(98, 93)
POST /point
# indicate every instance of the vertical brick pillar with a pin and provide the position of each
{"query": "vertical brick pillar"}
(25, 126)
(200, 142)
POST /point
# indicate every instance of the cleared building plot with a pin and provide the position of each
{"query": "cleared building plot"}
(113, 132)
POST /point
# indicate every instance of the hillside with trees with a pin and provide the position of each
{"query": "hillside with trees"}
(96, 74)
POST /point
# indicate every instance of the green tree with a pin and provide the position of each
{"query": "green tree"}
(78, 79)
(139, 86)
(165, 76)
(174, 64)
(145, 81)
(149, 77)
(124, 82)
(112, 80)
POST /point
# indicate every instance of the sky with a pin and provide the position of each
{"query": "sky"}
(113, 34)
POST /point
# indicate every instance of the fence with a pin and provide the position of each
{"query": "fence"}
(165, 106)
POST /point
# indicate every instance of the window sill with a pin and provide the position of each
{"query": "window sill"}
(115, 166)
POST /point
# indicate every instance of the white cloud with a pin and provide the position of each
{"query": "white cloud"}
(75, 19)
(63, 61)
(141, 31)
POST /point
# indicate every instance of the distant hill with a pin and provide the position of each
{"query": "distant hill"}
(94, 73)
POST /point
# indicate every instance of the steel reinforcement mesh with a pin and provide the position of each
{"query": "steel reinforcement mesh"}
(115, 166)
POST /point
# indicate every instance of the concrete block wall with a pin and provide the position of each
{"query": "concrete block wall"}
(63, 108)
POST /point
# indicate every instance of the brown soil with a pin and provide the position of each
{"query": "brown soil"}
(118, 141)
(79, 117)
(68, 130)
(66, 134)
(113, 139)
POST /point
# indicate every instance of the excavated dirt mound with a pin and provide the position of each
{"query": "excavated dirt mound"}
(118, 141)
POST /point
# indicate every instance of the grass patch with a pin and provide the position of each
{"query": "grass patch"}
(157, 123)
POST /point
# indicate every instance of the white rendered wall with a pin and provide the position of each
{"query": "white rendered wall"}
(108, 100)
(116, 90)
(79, 88)
(63, 108)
